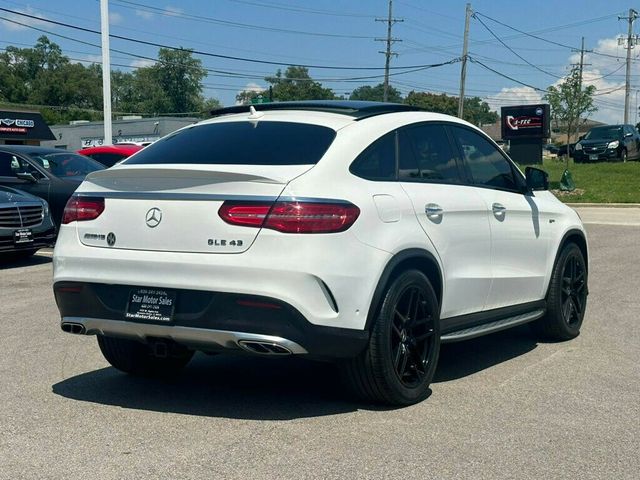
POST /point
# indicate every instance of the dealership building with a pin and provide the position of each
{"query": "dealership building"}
(82, 133)
(22, 127)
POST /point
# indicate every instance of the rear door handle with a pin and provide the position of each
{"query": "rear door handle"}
(433, 210)
(498, 209)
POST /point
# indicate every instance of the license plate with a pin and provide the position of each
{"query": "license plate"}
(593, 157)
(151, 304)
(24, 235)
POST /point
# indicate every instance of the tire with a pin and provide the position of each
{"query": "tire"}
(624, 156)
(136, 358)
(400, 359)
(567, 296)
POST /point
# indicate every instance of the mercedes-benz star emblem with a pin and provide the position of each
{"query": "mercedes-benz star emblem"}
(111, 239)
(153, 217)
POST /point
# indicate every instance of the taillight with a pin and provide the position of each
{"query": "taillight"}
(81, 208)
(247, 214)
(292, 217)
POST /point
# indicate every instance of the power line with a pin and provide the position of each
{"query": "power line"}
(513, 51)
(224, 73)
(473, 60)
(228, 23)
(281, 6)
(157, 34)
(564, 45)
(197, 52)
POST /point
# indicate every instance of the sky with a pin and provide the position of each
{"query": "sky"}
(508, 66)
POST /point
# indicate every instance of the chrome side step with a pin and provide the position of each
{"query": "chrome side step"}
(491, 327)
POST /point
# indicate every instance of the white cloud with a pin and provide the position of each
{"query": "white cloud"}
(25, 20)
(89, 59)
(173, 11)
(514, 96)
(146, 15)
(251, 87)
(142, 62)
(115, 18)
(605, 72)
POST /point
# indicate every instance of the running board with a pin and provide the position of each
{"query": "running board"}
(491, 327)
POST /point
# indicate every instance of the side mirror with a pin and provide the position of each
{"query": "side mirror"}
(536, 179)
(581, 137)
(628, 134)
(27, 176)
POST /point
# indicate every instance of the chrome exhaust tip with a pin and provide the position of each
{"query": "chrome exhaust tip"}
(264, 348)
(75, 328)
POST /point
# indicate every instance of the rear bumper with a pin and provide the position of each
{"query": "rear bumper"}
(328, 279)
(209, 321)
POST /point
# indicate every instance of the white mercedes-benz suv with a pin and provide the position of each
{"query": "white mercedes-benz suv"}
(360, 232)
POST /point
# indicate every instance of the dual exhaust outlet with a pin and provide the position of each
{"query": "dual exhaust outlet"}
(252, 346)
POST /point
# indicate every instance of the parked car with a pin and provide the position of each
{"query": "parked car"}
(25, 223)
(111, 154)
(562, 149)
(49, 173)
(360, 232)
(609, 142)
(551, 149)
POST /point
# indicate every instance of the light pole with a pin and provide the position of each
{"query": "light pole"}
(106, 72)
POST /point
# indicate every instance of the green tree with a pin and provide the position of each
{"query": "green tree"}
(570, 101)
(438, 103)
(208, 105)
(476, 111)
(180, 76)
(376, 93)
(297, 84)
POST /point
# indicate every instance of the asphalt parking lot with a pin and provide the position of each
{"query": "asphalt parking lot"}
(503, 406)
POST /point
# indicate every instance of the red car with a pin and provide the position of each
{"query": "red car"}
(111, 154)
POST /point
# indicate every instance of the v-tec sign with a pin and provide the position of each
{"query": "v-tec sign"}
(517, 123)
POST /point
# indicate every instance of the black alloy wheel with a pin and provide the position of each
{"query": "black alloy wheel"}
(567, 296)
(412, 336)
(400, 359)
(573, 296)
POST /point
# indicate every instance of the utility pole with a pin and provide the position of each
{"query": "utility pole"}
(106, 72)
(463, 72)
(581, 66)
(388, 53)
(632, 40)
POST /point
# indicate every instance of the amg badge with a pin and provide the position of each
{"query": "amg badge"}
(111, 239)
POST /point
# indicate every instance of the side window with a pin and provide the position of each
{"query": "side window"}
(10, 165)
(486, 163)
(378, 161)
(436, 161)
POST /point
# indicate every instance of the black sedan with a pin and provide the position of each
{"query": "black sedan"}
(48, 173)
(25, 223)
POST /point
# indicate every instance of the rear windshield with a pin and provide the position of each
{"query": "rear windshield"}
(241, 143)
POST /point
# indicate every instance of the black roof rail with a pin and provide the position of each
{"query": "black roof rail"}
(352, 108)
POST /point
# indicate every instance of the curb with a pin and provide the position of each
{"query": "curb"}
(604, 205)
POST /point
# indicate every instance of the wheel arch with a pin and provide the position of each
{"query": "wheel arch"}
(413, 258)
(572, 236)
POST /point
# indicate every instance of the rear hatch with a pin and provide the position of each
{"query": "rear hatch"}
(167, 197)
